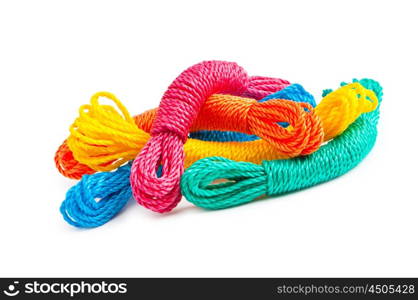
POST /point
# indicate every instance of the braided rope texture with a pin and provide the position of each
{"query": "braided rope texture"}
(178, 109)
(242, 182)
(80, 196)
(102, 137)
(80, 208)
(294, 92)
(97, 198)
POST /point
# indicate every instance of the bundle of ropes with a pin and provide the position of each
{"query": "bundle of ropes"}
(219, 137)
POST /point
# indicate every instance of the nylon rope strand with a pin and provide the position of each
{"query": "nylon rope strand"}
(294, 92)
(97, 138)
(81, 196)
(102, 147)
(98, 144)
(247, 181)
(177, 111)
(110, 145)
(68, 166)
(227, 112)
(80, 207)
(97, 198)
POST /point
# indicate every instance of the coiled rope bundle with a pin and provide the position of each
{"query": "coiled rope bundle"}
(243, 182)
(243, 133)
(98, 136)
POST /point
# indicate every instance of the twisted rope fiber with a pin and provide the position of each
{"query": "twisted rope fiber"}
(100, 146)
(249, 116)
(81, 207)
(178, 109)
(261, 86)
(87, 139)
(99, 136)
(246, 115)
(294, 92)
(67, 165)
(247, 181)
(337, 112)
(77, 197)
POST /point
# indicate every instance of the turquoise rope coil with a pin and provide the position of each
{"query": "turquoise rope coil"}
(247, 181)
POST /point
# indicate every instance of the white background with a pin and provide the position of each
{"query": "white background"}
(55, 54)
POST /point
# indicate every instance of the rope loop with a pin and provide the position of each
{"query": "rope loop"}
(97, 198)
(242, 182)
(304, 135)
(178, 109)
(164, 152)
(104, 137)
(214, 182)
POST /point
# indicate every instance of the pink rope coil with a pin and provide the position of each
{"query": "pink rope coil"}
(260, 86)
(178, 109)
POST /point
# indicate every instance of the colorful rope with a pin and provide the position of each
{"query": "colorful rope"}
(178, 109)
(246, 181)
(80, 207)
(247, 137)
(98, 139)
(226, 112)
(102, 139)
(73, 207)
(97, 198)
(294, 92)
